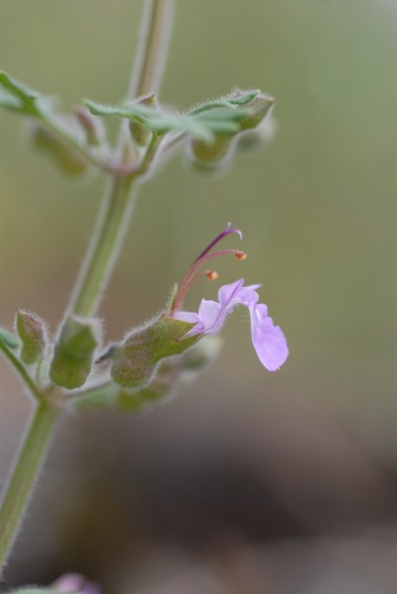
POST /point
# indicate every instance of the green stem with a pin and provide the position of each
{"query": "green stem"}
(24, 475)
(15, 362)
(153, 44)
(114, 217)
(117, 206)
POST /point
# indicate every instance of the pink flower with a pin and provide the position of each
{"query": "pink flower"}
(268, 340)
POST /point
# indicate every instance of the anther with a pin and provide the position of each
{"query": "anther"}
(211, 275)
(241, 255)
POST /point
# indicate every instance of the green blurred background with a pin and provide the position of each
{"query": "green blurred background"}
(282, 482)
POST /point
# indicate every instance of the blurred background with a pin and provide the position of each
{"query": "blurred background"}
(281, 483)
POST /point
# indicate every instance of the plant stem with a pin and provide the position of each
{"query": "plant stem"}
(113, 219)
(112, 222)
(117, 206)
(152, 50)
(24, 475)
(15, 362)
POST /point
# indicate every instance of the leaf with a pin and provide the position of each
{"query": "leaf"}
(202, 126)
(18, 97)
(8, 339)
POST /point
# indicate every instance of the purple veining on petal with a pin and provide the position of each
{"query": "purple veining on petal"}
(268, 340)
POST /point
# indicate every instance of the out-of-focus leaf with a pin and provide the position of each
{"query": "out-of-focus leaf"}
(9, 339)
(18, 97)
(203, 125)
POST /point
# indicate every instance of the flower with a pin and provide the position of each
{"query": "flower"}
(74, 582)
(268, 340)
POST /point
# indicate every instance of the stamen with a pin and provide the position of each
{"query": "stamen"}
(225, 232)
(241, 255)
(193, 274)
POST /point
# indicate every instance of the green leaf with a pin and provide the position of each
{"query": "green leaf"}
(18, 97)
(135, 361)
(202, 126)
(203, 123)
(231, 101)
(8, 339)
(32, 334)
(74, 352)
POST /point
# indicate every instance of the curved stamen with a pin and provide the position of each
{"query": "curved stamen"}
(192, 274)
(225, 232)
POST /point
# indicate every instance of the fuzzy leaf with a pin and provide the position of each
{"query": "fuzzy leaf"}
(74, 353)
(203, 125)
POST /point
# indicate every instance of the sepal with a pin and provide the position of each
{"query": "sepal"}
(136, 360)
(140, 133)
(68, 160)
(31, 331)
(74, 352)
(173, 376)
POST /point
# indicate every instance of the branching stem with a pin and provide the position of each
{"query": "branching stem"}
(113, 219)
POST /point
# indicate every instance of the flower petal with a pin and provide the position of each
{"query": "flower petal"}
(269, 341)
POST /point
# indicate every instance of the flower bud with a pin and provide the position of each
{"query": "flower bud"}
(212, 155)
(91, 125)
(135, 362)
(31, 331)
(74, 352)
(139, 132)
(66, 159)
(257, 110)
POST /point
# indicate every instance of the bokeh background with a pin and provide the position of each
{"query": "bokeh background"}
(250, 482)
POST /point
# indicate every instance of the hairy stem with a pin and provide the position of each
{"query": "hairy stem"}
(113, 219)
(153, 45)
(20, 369)
(117, 206)
(24, 475)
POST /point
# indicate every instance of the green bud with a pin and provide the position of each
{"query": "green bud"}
(173, 375)
(212, 155)
(257, 110)
(31, 331)
(139, 132)
(135, 361)
(260, 136)
(66, 159)
(91, 125)
(74, 352)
